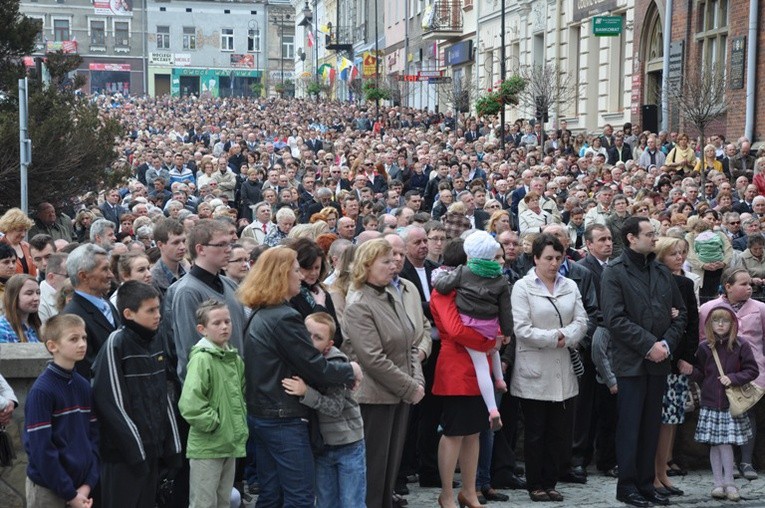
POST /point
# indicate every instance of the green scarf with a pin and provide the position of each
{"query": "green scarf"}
(486, 268)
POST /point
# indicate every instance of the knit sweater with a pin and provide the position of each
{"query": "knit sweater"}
(61, 433)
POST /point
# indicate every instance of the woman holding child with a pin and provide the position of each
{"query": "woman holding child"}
(277, 347)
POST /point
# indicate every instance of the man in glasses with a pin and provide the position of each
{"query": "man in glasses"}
(732, 225)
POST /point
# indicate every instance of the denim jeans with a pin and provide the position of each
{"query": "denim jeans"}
(341, 476)
(285, 463)
(250, 468)
(483, 478)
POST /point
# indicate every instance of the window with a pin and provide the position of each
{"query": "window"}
(40, 39)
(253, 41)
(163, 37)
(712, 34)
(121, 34)
(189, 37)
(227, 39)
(288, 47)
(97, 32)
(60, 30)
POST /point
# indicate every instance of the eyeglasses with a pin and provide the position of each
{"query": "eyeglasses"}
(221, 245)
(437, 239)
(734, 222)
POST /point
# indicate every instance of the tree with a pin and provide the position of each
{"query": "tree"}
(73, 143)
(459, 94)
(547, 86)
(700, 97)
(17, 39)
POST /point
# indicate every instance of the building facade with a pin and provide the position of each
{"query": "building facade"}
(707, 35)
(109, 36)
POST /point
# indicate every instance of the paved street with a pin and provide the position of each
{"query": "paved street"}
(600, 491)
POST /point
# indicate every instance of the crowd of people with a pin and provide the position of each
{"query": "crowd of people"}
(319, 305)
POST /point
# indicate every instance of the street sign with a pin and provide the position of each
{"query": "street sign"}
(435, 81)
(430, 74)
(607, 26)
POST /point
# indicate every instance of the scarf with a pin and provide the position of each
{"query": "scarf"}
(486, 268)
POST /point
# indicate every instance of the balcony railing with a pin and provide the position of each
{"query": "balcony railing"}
(443, 21)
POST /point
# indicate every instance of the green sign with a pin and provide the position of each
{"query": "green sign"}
(607, 26)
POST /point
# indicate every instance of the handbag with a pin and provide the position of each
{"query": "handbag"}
(7, 454)
(741, 398)
(576, 359)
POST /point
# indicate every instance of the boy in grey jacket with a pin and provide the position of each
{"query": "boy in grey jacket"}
(341, 465)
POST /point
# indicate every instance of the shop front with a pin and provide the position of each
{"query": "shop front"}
(215, 82)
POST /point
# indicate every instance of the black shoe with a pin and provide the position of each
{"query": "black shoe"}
(634, 499)
(656, 498)
(512, 481)
(481, 500)
(673, 491)
(399, 501)
(412, 478)
(573, 477)
(401, 489)
(663, 491)
(613, 472)
(492, 495)
(580, 470)
(519, 471)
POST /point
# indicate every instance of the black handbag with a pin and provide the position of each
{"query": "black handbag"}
(7, 454)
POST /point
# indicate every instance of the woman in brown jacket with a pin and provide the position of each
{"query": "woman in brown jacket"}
(379, 335)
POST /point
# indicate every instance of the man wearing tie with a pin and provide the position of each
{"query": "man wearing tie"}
(111, 209)
(88, 269)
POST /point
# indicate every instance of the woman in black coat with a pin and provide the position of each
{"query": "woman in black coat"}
(250, 193)
(313, 296)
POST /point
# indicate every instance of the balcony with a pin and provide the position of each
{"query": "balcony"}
(340, 38)
(442, 21)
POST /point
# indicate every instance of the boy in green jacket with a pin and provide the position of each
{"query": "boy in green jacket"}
(212, 402)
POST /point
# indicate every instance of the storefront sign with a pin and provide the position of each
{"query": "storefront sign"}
(459, 53)
(606, 26)
(113, 7)
(182, 59)
(583, 9)
(109, 67)
(161, 59)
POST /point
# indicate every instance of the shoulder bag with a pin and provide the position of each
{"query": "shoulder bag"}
(741, 398)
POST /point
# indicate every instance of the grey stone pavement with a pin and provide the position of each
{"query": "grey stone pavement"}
(600, 492)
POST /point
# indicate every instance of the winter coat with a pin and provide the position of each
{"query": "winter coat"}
(212, 402)
(738, 365)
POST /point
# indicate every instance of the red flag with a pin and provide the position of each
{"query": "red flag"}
(310, 39)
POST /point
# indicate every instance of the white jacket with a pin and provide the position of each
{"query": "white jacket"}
(543, 371)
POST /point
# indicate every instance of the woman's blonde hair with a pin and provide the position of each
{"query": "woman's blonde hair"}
(666, 244)
(719, 313)
(365, 256)
(490, 225)
(268, 281)
(14, 220)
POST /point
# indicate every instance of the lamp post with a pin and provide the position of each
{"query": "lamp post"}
(255, 27)
(502, 70)
(377, 65)
(306, 24)
(279, 20)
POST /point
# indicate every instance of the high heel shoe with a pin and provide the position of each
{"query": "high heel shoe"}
(465, 504)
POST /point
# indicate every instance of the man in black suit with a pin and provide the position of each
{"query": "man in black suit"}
(727, 159)
(600, 244)
(620, 151)
(472, 134)
(111, 208)
(745, 205)
(478, 218)
(88, 268)
(637, 292)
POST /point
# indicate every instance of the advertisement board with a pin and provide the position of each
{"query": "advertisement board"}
(113, 7)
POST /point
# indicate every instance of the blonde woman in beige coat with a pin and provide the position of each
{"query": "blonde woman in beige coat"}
(379, 334)
(549, 321)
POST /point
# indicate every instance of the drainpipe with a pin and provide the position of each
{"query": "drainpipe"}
(665, 66)
(751, 69)
(558, 28)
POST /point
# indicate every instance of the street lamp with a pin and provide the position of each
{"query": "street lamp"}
(279, 20)
(502, 71)
(308, 16)
(254, 26)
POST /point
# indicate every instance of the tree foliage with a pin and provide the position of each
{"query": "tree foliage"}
(73, 144)
(459, 94)
(17, 39)
(700, 97)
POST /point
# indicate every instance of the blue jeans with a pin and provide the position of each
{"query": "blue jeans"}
(285, 463)
(483, 478)
(250, 468)
(341, 476)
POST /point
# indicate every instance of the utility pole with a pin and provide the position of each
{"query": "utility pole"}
(377, 64)
(25, 144)
(502, 71)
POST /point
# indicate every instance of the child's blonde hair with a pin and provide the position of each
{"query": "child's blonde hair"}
(55, 328)
(325, 319)
(719, 313)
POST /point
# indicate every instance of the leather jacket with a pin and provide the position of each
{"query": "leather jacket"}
(277, 345)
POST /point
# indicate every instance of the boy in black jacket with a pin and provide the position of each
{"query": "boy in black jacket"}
(132, 403)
